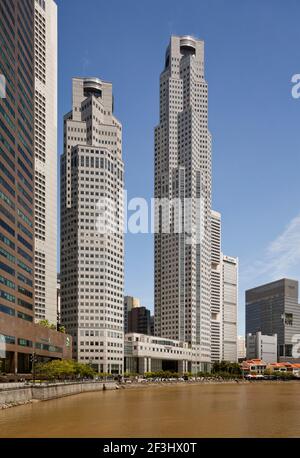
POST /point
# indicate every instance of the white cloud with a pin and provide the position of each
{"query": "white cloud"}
(280, 259)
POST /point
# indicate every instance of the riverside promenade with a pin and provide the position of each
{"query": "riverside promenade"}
(15, 394)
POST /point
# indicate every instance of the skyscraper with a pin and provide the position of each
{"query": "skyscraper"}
(19, 117)
(183, 172)
(229, 307)
(45, 81)
(139, 320)
(130, 302)
(216, 288)
(273, 308)
(16, 179)
(92, 252)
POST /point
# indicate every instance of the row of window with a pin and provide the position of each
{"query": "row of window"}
(28, 343)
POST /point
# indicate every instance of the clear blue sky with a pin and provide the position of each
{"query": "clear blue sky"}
(252, 49)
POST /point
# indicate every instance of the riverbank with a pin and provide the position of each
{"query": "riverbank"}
(206, 382)
(27, 394)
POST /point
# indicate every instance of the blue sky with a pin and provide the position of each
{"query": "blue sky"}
(252, 49)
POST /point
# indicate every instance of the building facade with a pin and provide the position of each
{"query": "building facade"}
(241, 348)
(145, 353)
(130, 302)
(139, 321)
(230, 308)
(45, 173)
(92, 247)
(19, 336)
(263, 347)
(216, 288)
(273, 308)
(183, 175)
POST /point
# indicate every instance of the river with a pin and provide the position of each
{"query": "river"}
(219, 410)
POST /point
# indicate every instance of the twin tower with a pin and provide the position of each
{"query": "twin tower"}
(92, 261)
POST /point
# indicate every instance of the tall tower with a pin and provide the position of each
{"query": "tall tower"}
(92, 260)
(16, 177)
(183, 172)
(216, 288)
(230, 308)
(45, 174)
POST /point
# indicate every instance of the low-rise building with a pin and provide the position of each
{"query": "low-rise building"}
(144, 353)
(253, 366)
(293, 368)
(20, 340)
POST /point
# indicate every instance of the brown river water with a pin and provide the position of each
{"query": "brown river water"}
(228, 410)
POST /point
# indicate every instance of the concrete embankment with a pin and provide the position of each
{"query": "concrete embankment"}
(26, 394)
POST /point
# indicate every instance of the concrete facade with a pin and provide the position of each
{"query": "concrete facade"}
(241, 348)
(263, 347)
(45, 81)
(183, 172)
(92, 241)
(145, 353)
(26, 394)
(229, 308)
(216, 288)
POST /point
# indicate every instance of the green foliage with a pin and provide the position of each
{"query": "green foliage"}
(103, 374)
(283, 375)
(161, 374)
(64, 369)
(226, 367)
(47, 324)
(268, 372)
(128, 374)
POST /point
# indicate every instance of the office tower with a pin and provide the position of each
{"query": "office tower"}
(183, 173)
(230, 301)
(241, 348)
(139, 320)
(16, 173)
(216, 288)
(260, 346)
(130, 302)
(45, 174)
(273, 308)
(92, 251)
(19, 336)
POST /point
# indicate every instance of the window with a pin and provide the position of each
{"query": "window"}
(25, 342)
(7, 339)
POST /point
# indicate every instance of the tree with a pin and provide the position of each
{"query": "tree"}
(226, 367)
(64, 369)
(47, 324)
